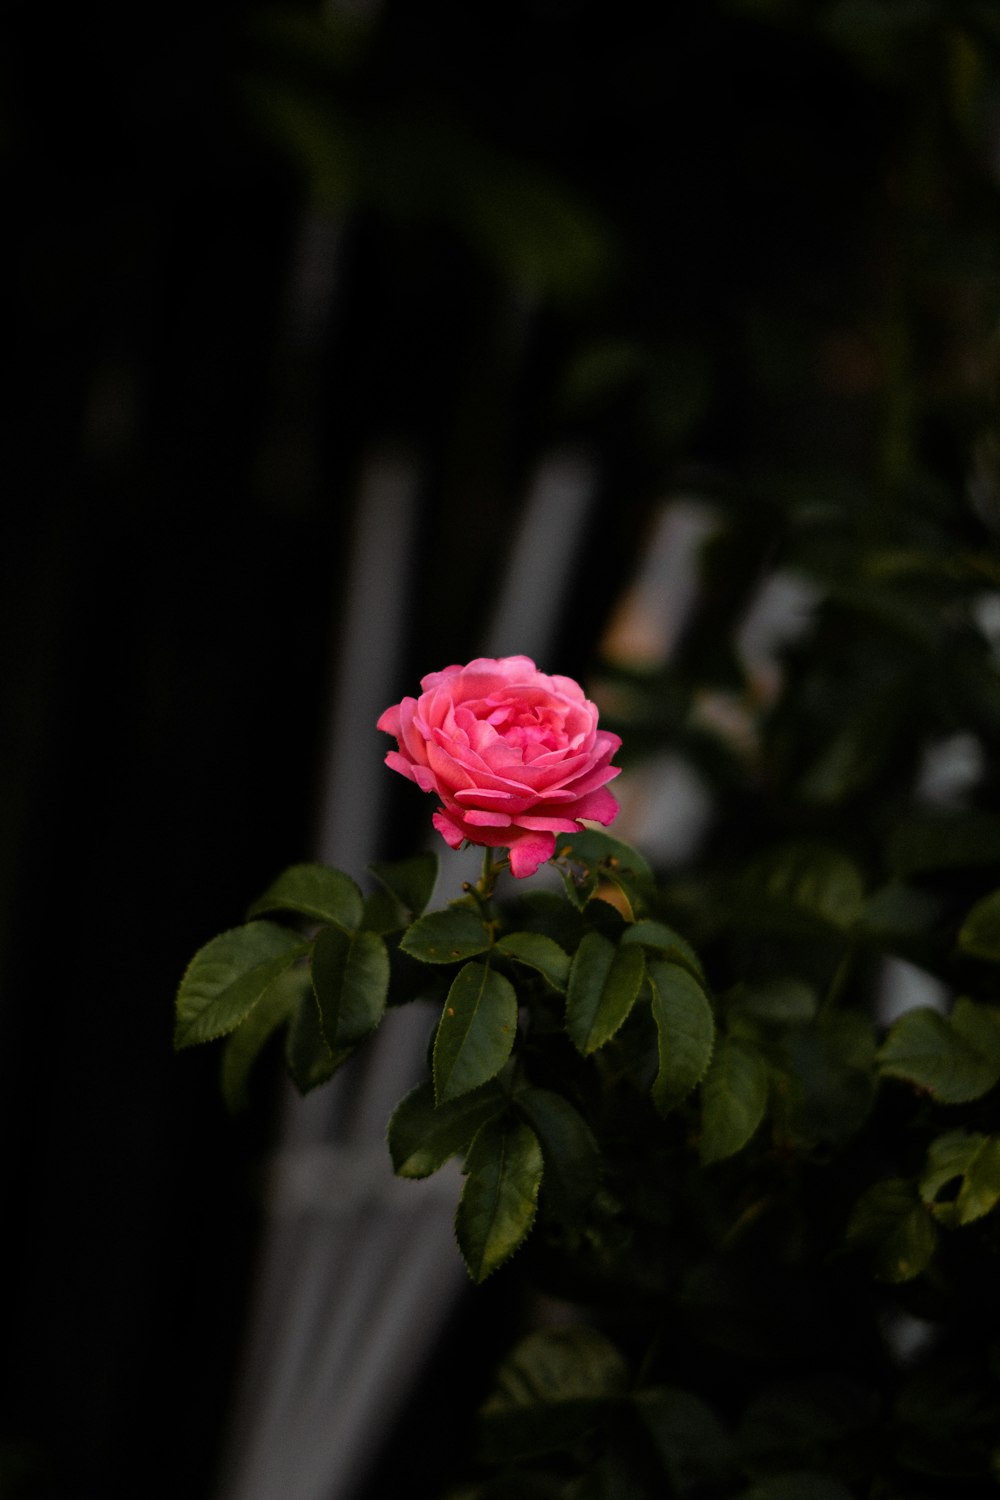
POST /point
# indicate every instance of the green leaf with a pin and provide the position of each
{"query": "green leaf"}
(974, 1161)
(476, 1031)
(733, 1100)
(424, 1135)
(411, 881)
(580, 883)
(948, 1159)
(895, 1228)
(979, 1027)
(383, 913)
(551, 1391)
(604, 982)
(411, 980)
(538, 952)
(593, 863)
(500, 1197)
(980, 933)
(245, 1044)
(604, 917)
(571, 1156)
(621, 890)
(665, 942)
(593, 847)
(694, 1447)
(550, 914)
(957, 1058)
(980, 1192)
(315, 891)
(444, 937)
(227, 978)
(350, 977)
(686, 1033)
(307, 1056)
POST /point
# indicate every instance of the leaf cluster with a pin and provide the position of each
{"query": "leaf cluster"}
(748, 1184)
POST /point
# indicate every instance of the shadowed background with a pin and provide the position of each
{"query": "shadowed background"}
(504, 284)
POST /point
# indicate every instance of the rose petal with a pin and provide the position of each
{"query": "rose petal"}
(434, 678)
(599, 806)
(474, 796)
(594, 779)
(514, 755)
(447, 770)
(411, 737)
(448, 830)
(528, 853)
(399, 763)
(480, 819)
(557, 825)
(389, 721)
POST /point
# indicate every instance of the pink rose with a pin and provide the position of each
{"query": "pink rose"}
(516, 757)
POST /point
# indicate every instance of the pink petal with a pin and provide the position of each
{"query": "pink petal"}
(448, 830)
(568, 688)
(433, 679)
(447, 770)
(397, 762)
(411, 737)
(479, 776)
(479, 819)
(528, 853)
(474, 795)
(454, 828)
(389, 721)
(537, 778)
(592, 780)
(546, 820)
(599, 806)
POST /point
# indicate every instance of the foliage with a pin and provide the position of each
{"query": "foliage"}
(769, 1207)
(675, 1109)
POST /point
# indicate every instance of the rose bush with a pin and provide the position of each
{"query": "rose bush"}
(514, 755)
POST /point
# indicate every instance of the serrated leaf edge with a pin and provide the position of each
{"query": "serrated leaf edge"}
(478, 1281)
(294, 954)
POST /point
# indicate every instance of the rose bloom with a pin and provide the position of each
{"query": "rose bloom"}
(515, 756)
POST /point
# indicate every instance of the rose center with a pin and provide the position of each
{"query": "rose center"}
(521, 725)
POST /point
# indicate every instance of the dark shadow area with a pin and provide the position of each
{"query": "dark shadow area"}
(730, 248)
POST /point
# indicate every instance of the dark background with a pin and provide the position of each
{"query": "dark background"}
(734, 247)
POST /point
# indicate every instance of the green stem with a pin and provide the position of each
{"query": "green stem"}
(491, 871)
(482, 891)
